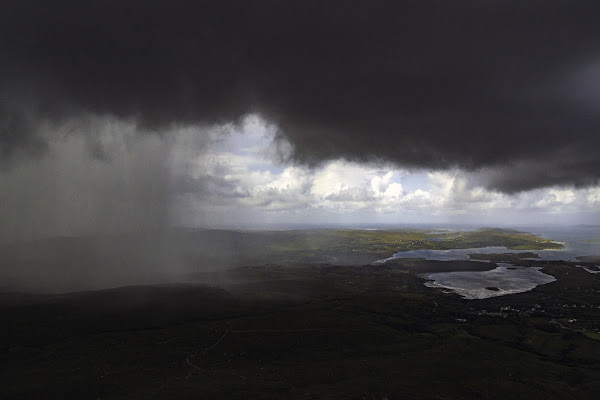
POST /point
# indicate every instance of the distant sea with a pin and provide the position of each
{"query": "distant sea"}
(581, 240)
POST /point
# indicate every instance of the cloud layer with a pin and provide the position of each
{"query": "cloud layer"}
(102, 175)
(502, 88)
(235, 182)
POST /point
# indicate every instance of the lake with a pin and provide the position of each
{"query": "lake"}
(500, 281)
(508, 278)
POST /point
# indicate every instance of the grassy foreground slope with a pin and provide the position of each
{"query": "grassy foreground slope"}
(306, 332)
(281, 328)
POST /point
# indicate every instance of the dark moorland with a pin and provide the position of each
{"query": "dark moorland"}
(308, 330)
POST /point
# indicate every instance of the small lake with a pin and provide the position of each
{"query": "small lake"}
(590, 270)
(455, 254)
(500, 281)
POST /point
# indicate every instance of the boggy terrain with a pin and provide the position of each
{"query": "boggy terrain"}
(308, 331)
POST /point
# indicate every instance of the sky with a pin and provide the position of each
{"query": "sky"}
(129, 115)
(251, 187)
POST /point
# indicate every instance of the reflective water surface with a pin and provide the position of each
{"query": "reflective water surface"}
(503, 280)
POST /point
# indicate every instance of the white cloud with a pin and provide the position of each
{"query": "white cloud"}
(254, 186)
(393, 191)
(338, 176)
(593, 197)
(555, 200)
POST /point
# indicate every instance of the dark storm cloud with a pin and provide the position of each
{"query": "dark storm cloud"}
(434, 84)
